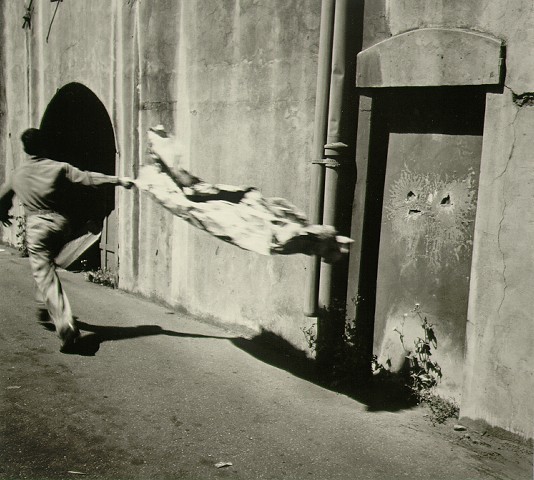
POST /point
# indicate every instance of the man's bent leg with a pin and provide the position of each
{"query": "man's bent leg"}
(42, 311)
(43, 234)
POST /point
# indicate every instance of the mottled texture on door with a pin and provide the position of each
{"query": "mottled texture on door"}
(426, 238)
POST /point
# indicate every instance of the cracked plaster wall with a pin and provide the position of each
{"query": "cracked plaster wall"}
(500, 332)
(499, 377)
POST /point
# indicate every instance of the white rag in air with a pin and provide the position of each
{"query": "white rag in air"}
(241, 216)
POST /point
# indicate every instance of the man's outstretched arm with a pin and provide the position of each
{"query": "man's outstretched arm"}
(95, 179)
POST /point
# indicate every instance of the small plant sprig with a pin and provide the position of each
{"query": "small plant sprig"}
(425, 373)
(379, 368)
(22, 244)
(342, 351)
(441, 408)
(103, 277)
(419, 380)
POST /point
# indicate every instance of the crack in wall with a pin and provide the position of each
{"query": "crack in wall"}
(505, 206)
(505, 287)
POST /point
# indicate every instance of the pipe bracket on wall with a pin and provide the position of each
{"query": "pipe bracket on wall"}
(335, 149)
(327, 162)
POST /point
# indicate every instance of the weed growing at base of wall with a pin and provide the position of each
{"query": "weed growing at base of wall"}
(441, 408)
(100, 276)
(418, 380)
(337, 356)
(22, 245)
(425, 373)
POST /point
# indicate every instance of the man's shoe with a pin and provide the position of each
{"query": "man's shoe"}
(68, 339)
(43, 316)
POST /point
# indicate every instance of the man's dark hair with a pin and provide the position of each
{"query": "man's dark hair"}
(33, 141)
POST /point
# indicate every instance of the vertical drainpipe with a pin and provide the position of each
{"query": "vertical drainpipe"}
(331, 84)
(319, 136)
(335, 151)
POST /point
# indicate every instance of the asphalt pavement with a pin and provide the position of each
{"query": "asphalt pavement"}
(158, 394)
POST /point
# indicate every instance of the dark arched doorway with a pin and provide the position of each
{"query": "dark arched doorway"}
(79, 131)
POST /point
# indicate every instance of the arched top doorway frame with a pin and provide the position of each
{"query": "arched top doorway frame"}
(79, 131)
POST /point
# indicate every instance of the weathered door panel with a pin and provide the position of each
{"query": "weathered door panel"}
(427, 225)
(109, 243)
(426, 242)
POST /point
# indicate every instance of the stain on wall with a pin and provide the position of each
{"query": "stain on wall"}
(434, 214)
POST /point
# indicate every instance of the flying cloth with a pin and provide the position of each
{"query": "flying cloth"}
(241, 216)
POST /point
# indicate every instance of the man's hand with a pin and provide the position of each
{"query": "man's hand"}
(126, 182)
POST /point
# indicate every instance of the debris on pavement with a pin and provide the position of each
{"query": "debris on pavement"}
(460, 428)
(223, 464)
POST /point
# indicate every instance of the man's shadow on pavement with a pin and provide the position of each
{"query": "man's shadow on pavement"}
(89, 343)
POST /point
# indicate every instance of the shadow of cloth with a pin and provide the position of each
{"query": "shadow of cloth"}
(268, 347)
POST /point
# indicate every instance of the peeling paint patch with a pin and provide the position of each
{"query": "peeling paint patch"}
(432, 215)
(159, 106)
(523, 99)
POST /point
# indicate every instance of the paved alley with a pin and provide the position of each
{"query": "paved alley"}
(160, 395)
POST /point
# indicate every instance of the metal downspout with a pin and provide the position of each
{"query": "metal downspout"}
(319, 136)
(335, 150)
(331, 89)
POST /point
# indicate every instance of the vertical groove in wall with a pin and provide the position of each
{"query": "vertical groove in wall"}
(127, 265)
(27, 44)
(179, 241)
(112, 79)
(8, 62)
(41, 104)
(136, 146)
(113, 106)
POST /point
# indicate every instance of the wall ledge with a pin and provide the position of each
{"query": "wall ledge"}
(432, 57)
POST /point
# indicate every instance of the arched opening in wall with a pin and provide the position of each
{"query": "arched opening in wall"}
(79, 131)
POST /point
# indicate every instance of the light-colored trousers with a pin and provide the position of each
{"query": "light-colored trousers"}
(45, 235)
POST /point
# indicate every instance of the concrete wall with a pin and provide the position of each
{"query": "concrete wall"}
(14, 109)
(500, 335)
(240, 93)
(235, 79)
(499, 377)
